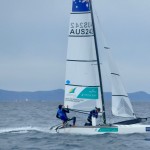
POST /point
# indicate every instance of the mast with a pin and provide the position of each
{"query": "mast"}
(98, 64)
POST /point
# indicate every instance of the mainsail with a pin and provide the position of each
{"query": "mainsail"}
(121, 105)
(82, 87)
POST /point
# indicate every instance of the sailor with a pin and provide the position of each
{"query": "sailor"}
(93, 113)
(61, 114)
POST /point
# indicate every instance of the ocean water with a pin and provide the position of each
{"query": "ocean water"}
(25, 126)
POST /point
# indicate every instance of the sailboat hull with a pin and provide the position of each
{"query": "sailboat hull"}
(117, 129)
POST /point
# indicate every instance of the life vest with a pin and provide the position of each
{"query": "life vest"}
(93, 113)
(62, 115)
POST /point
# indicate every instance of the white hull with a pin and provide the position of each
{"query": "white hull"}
(117, 129)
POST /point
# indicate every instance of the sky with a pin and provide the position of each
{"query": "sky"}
(33, 42)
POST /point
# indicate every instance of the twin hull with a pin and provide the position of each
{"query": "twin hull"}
(117, 129)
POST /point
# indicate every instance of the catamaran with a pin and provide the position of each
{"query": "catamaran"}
(84, 86)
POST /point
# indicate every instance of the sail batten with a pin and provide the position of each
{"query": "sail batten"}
(83, 60)
(82, 85)
(87, 12)
(120, 95)
(115, 74)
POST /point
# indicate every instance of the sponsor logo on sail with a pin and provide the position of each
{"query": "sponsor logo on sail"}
(89, 93)
(71, 91)
(67, 81)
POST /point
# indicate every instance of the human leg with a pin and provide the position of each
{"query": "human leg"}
(74, 120)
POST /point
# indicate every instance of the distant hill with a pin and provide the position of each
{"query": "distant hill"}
(58, 95)
(138, 96)
(38, 95)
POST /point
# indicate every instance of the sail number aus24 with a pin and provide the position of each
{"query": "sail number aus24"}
(82, 28)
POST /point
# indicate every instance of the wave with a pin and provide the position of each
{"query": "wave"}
(22, 130)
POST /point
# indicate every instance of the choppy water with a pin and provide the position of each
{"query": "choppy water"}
(25, 126)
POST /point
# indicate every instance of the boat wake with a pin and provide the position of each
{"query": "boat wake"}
(23, 130)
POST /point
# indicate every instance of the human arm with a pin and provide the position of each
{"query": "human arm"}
(57, 116)
(66, 110)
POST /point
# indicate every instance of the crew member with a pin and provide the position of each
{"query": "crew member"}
(93, 113)
(61, 114)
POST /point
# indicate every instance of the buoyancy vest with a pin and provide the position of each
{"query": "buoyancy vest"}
(62, 115)
(93, 113)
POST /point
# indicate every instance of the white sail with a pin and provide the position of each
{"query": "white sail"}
(121, 105)
(82, 87)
